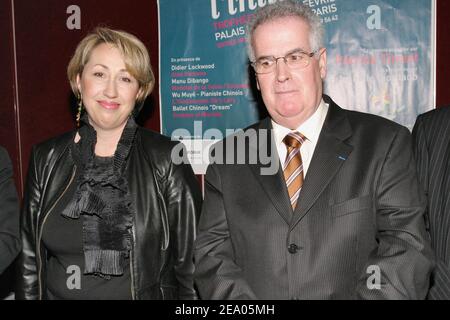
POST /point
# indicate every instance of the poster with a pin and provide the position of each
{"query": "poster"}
(381, 57)
(380, 60)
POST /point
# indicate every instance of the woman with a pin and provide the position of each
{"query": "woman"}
(107, 214)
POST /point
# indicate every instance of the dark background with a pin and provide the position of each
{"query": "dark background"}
(36, 102)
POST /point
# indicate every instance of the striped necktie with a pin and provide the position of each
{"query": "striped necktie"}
(293, 166)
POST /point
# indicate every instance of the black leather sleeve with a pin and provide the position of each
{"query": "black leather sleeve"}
(27, 287)
(9, 213)
(183, 202)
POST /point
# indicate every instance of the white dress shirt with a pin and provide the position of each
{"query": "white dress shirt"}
(310, 129)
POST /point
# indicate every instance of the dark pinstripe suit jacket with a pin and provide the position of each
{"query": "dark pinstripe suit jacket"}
(360, 210)
(431, 135)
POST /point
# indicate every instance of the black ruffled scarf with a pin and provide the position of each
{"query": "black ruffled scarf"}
(102, 198)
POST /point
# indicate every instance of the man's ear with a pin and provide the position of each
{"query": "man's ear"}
(323, 63)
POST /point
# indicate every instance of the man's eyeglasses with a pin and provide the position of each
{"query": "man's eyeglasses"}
(294, 60)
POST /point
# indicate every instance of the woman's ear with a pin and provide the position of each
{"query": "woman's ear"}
(79, 83)
(140, 95)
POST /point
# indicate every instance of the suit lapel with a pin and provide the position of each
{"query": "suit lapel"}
(272, 184)
(330, 153)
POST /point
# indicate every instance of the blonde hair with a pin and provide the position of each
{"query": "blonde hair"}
(134, 52)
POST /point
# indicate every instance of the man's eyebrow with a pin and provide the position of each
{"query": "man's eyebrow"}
(287, 53)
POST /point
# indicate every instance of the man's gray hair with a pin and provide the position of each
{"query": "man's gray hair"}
(283, 9)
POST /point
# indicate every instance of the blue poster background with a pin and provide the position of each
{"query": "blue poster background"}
(203, 68)
(380, 60)
(380, 57)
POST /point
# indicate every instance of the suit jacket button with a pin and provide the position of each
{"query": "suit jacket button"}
(293, 248)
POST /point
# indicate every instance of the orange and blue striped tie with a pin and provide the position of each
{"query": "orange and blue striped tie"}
(293, 165)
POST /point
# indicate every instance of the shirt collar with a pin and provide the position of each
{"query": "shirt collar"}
(310, 128)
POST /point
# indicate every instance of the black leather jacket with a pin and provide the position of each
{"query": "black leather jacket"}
(167, 200)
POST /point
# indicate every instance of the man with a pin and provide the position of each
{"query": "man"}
(346, 222)
(9, 213)
(431, 135)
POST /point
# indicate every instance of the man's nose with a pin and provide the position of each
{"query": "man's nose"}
(282, 70)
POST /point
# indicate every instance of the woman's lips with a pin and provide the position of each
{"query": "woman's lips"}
(109, 105)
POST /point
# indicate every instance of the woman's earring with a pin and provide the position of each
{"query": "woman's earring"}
(80, 109)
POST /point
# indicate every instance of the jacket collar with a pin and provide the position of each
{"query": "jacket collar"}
(331, 152)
